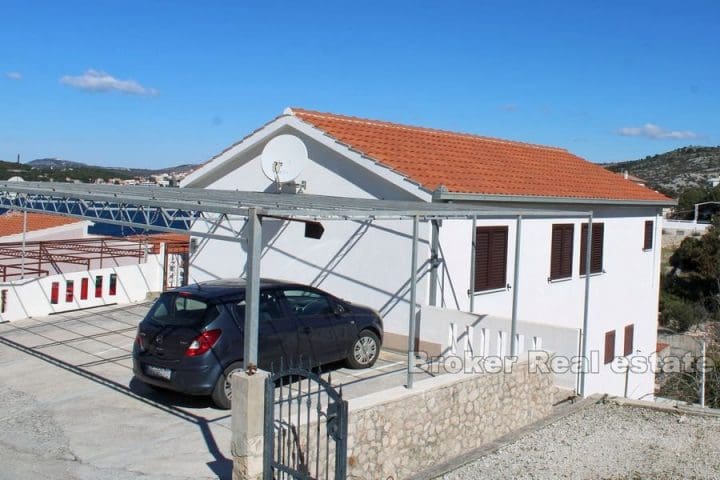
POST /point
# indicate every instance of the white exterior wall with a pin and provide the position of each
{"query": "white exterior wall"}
(31, 298)
(369, 263)
(626, 293)
(364, 262)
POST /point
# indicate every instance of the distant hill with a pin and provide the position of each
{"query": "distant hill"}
(674, 171)
(55, 163)
(144, 172)
(140, 172)
(57, 170)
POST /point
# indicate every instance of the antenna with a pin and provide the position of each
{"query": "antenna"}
(283, 159)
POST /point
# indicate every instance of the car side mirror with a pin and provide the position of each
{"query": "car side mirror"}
(338, 309)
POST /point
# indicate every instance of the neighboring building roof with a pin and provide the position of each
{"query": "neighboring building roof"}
(629, 176)
(472, 164)
(11, 223)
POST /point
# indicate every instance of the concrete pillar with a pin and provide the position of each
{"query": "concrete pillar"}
(248, 415)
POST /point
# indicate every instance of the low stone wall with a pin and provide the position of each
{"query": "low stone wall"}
(398, 433)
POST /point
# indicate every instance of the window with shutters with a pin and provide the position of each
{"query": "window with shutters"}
(490, 258)
(596, 253)
(629, 339)
(609, 346)
(561, 251)
(649, 228)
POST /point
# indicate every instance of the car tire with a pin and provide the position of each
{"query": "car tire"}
(221, 395)
(365, 350)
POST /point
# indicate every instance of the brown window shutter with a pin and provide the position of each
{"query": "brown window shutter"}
(648, 243)
(490, 258)
(561, 251)
(609, 346)
(629, 338)
(596, 255)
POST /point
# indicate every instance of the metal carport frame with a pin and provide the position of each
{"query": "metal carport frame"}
(178, 210)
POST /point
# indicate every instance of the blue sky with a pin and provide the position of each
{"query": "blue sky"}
(160, 83)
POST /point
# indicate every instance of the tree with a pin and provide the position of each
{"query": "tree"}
(687, 200)
(696, 270)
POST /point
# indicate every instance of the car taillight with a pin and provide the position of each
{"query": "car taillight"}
(202, 343)
(138, 341)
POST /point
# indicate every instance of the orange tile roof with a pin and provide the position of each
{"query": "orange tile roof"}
(466, 163)
(11, 223)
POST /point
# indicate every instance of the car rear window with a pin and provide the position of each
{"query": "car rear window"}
(174, 309)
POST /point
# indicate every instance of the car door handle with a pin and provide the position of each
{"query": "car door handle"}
(306, 330)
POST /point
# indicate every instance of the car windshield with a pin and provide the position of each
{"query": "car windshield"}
(179, 310)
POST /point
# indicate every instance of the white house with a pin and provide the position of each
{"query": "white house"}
(369, 262)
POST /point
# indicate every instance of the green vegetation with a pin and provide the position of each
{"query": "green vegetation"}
(689, 297)
(690, 291)
(52, 170)
(687, 200)
(86, 174)
(685, 386)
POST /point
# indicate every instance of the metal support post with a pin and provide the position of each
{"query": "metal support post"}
(413, 292)
(473, 247)
(252, 288)
(24, 234)
(516, 289)
(586, 308)
(434, 261)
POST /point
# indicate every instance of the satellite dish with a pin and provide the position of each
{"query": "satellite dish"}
(283, 158)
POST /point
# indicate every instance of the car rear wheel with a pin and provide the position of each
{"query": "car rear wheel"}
(365, 350)
(222, 393)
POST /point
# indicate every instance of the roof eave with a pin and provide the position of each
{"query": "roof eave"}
(439, 196)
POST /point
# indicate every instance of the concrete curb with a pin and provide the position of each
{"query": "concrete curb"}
(678, 408)
(438, 471)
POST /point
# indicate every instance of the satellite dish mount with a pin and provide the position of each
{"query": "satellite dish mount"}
(283, 159)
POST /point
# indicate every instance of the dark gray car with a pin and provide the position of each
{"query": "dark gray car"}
(192, 337)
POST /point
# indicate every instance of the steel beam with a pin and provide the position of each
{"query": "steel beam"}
(252, 289)
(516, 290)
(413, 292)
(586, 307)
(434, 260)
(473, 247)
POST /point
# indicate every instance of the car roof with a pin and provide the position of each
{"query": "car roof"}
(227, 287)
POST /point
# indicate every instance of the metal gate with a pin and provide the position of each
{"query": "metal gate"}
(305, 427)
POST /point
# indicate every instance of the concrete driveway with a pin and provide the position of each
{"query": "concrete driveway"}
(70, 408)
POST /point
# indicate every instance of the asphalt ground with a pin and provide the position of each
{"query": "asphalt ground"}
(71, 409)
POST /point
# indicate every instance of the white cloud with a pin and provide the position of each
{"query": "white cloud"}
(653, 131)
(14, 75)
(97, 81)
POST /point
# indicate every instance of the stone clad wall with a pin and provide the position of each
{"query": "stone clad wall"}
(403, 432)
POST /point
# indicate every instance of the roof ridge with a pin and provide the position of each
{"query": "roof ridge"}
(400, 126)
